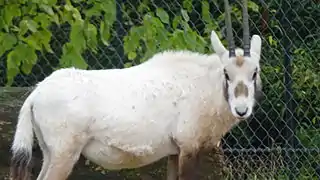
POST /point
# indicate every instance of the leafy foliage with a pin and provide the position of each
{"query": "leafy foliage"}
(159, 30)
(26, 31)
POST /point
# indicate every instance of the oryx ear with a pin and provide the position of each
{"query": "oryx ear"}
(255, 45)
(217, 44)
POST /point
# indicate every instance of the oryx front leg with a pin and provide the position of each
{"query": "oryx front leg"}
(188, 162)
(172, 167)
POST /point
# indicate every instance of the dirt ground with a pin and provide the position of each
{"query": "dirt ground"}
(10, 102)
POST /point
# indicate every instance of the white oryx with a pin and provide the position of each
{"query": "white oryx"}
(173, 105)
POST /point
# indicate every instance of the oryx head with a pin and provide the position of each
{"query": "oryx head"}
(241, 67)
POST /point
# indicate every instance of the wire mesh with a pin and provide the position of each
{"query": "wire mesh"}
(281, 140)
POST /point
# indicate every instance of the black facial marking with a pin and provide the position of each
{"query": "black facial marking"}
(254, 76)
(226, 75)
(257, 92)
(225, 90)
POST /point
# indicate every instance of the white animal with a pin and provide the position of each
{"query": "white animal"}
(173, 105)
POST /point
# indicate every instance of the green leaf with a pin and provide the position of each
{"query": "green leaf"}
(22, 55)
(190, 40)
(23, 28)
(91, 36)
(29, 60)
(68, 7)
(51, 2)
(176, 22)
(187, 4)
(104, 30)
(45, 39)
(74, 12)
(185, 25)
(13, 63)
(38, 1)
(28, 24)
(72, 58)
(3, 24)
(33, 41)
(95, 10)
(163, 15)
(178, 39)
(15, 29)
(143, 7)
(132, 40)
(253, 6)
(156, 23)
(55, 19)
(77, 37)
(185, 15)
(11, 11)
(104, 33)
(162, 35)
(201, 44)
(43, 19)
(65, 15)
(47, 9)
(206, 12)
(39, 39)
(109, 7)
(128, 64)
(30, 9)
(132, 55)
(7, 41)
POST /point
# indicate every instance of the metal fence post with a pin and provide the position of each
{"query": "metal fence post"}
(288, 94)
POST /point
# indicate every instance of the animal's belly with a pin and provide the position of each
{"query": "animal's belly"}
(113, 158)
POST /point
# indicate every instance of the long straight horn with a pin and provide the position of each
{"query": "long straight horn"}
(246, 40)
(232, 52)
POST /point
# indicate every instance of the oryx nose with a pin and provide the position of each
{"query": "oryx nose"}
(241, 111)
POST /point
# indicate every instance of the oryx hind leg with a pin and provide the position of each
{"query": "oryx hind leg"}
(64, 151)
(45, 152)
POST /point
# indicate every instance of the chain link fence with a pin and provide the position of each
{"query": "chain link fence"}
(281, 140)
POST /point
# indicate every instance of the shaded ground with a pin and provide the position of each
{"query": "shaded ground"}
(10, 102)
